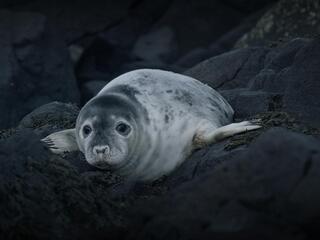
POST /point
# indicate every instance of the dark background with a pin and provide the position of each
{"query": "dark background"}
(262, 56)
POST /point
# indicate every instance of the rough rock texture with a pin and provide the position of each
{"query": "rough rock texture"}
(45, 196)
(42, 194)
(302, 97)
(35, 66)
(222, 72)
(262, 193)
(286, 20)
(262, 79)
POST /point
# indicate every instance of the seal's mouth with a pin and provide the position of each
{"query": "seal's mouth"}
(102, 165)
(102, 161)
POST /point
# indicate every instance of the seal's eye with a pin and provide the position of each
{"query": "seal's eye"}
(123, 129)
(86, 130)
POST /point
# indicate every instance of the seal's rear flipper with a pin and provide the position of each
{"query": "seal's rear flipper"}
(63, 141)
(207, 137)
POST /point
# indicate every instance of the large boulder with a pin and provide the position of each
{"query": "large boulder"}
(230, 70)
(302, 93)
(35, 66)
(49, 116)
(266, 79)
(47, 196)
(286, 20)
(44, 196)
(269, 191)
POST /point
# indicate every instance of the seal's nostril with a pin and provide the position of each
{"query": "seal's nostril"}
(101, 149)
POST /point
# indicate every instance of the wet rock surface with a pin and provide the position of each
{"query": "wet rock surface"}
(262, 184)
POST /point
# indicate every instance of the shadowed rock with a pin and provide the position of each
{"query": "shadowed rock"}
(35, 66)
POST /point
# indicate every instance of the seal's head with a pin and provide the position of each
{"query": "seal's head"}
(106, 130)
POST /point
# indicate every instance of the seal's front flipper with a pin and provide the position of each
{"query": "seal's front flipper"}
(206, 137)
(63, 141)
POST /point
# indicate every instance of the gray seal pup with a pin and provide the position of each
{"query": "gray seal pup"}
(146, 122)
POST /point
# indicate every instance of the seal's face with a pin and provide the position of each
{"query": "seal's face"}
(105, 132)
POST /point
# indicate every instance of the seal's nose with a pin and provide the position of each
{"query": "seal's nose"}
(104, 149)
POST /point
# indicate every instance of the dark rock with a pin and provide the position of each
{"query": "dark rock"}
(142, 15)
(248, 103)
(44, 197)
(77, 19)
(288, 72)
(158, 34)
(254, 195)
(286, 20)
(248, 5)
(221, 45)
(267, 80)
(90, 89)
(193, 57)
(227, 41)
(230, 70)
(156, 47)
(36, 68)
(52, 115)
(8, 3)
(146, 64)
(277, 62)
(284, 56)
(75, 52)
(250, 68)
(302, 93)
(188, 25)
(106, 54)
(98, 61)
(201, 162)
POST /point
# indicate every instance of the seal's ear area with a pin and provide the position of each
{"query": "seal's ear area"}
(63, 141)
(205, 136)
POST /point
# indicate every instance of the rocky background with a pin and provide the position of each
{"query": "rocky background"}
(263, 56)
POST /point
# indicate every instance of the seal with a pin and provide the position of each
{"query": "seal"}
(146, 122)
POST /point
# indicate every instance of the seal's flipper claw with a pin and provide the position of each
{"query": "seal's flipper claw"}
(61, 142)
(256, 121)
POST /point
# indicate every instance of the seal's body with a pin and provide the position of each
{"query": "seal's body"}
(146, 122)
